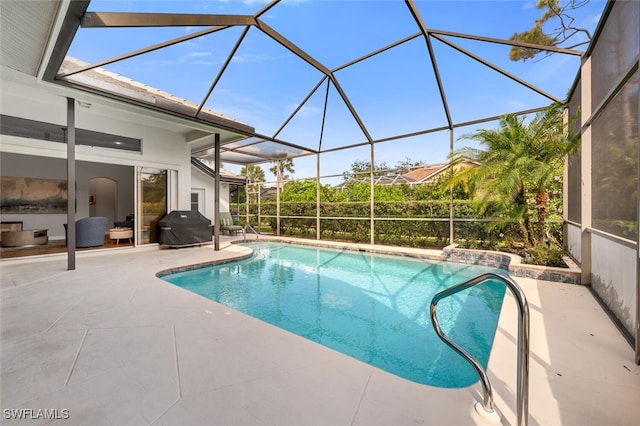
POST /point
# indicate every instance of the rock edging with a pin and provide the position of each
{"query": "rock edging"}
(513, 263)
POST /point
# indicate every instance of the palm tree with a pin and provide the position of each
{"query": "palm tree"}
(521, 159)
(281, 167)
(254, 175)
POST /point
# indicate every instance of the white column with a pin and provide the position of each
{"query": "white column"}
(585, 186)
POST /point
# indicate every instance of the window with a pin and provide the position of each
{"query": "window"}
(194, 201)
(40, 130)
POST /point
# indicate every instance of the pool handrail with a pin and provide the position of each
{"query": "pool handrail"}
(244, 231)
(522, 396)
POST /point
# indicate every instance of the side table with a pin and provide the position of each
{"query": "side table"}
(120, 234)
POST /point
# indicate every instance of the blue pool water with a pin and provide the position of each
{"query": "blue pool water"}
(372, 307)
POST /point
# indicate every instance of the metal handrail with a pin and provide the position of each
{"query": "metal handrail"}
(522, 397)
(244, 233)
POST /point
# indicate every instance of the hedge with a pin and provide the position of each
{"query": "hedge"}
(430, 227)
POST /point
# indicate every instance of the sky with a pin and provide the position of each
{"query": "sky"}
(394, 92)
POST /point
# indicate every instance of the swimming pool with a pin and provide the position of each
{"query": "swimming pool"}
(372, 307)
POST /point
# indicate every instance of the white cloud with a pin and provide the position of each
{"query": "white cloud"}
(197, 54)
(306, 111)
(255, 2)
(250, 58)
(293, 2)
(516, 105)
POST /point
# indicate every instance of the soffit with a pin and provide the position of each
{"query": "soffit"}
(25, 27)
(28, 29)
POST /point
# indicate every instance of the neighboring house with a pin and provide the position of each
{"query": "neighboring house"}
(269, 192)
(425, 175)
(390, 179)
(433, 173)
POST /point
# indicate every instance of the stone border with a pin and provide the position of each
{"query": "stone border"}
(513, 263)
(493, 259)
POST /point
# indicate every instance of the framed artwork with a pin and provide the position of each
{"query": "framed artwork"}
(92, 199)
(22, 195)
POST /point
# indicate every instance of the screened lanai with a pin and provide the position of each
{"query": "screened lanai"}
(319, 77)
(324, 83)
(330, 83)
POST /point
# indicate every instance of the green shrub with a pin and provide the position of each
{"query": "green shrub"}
(430, 231)
(544, 254)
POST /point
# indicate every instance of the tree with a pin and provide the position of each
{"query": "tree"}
(281, 167)
(305, 192)
(558, 14)
(254, 175)
(406, 165)
(520, 162)
(362, 169)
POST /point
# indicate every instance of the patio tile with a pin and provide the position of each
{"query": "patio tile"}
(37, 364)
(157, 354)
(388, 400)
(305, 396)
(110, 398)
(227, 406)
(23, 313)
(144, 353)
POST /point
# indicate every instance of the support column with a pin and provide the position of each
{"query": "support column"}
(216, 196)
(246, 198)
(278, 183)
(451, 215)
(585, 201)
(372, 201)
(318, 230)
(565, 184)
(637, 336)
(71, 183)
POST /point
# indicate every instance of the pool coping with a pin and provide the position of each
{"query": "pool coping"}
(512, 263)
(200, 265)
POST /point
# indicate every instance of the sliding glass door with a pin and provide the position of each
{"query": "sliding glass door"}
(152, 203)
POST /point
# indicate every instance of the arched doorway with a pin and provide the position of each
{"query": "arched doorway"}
(103, 198)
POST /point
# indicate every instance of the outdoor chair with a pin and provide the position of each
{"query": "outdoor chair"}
(90, 231)
(226, 223)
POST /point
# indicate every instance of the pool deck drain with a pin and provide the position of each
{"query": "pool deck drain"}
(111, 343)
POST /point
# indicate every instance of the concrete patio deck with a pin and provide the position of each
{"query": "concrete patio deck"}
(112, 344)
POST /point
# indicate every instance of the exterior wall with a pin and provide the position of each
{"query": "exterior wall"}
(574, 241)
(607, 170)
(613, 277)
(200, 180)
(163, 145)
(19, 165)
(25, 97)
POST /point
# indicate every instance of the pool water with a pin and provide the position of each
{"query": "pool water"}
(372, 307)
